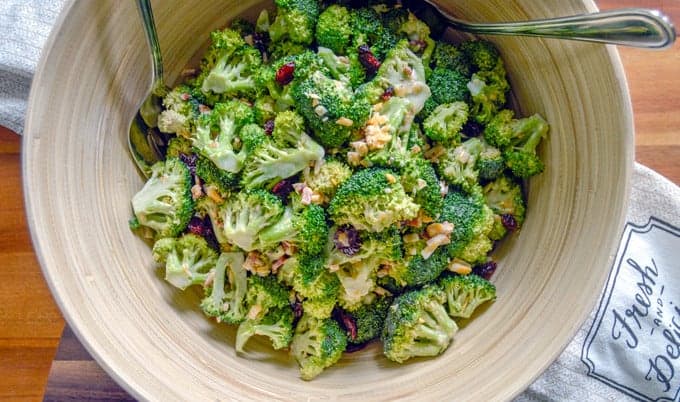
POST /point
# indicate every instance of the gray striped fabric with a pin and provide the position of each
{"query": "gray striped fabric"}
(24, 27)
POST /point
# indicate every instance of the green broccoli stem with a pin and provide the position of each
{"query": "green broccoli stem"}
(282, 230)
(437, 326)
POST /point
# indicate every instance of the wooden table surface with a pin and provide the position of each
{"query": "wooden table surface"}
(31, 325)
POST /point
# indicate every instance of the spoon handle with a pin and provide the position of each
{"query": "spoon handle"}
(146, 13)
(635, 27)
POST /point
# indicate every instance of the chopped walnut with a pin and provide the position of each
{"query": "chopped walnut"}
(256, 264)
(254, 312)
(436, 228)
(213, 194)
(390, 178)
(460, 267)
(196, 191)
(307, 194)
(433, 243)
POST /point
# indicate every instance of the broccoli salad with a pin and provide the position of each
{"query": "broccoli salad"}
(338, 174)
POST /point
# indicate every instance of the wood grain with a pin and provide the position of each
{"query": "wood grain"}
(30, 323)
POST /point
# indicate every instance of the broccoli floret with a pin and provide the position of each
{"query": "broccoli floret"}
(458, 165)
(417, 324)
(178, 146)
(505, 198)
(230, 68)
(187, 259)
(472, 223)
(306, 230)
(285, 48)
(264, 109)
(212, 176)
(490, 163)
(444, 123)
(418, 270)
(521, 158)
(404, 72)
(518, 139)
(226, 119)
(264, 294)
(420, 181)
(320, 307)
(225, 295)
(330, 108)
(295, 20)
(343, 68)
(418, 34)
(372, 199)
(449, 56)
(181, 109)
(326, 179)
(310, 278)
(252, 136)
(394, 18)
(333, 29)
(164, 204)
(367, 29)
(290, 151)
(246, 214)
(357, 271)
(482, 54)
(317, 344)
(446, 86)
(277, 325)
(488, 91)
(464, 293)
(369, 320)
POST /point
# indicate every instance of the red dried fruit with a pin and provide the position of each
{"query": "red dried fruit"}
(389, 92)
(368, 60)
(286, 73)
(509, 222)
(485, 270)
(347, 240)
(282, 189)
(269, 127)
(347, 322)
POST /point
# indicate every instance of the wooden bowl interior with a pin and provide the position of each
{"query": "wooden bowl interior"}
(79, 179)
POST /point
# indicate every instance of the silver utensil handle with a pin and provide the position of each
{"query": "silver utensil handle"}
(635, 27)
(146, 13)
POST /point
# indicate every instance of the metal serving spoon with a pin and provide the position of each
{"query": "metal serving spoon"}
(628, 27)
(147, 144)
(637, 27)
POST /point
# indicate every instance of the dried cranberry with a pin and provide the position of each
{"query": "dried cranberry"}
(509, 222)
(297, 310)
(285, 74)
(347, 321)
(472, 129)
(388, 93)
(368, 60)
(260, 42)
(283, 188)
(269, 127)
(347, 240)
(203, 227)
(189, 161)
(485, 270)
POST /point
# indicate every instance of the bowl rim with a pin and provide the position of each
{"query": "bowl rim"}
(94, 350)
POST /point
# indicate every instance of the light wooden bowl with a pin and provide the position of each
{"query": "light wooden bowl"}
(154, 341)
